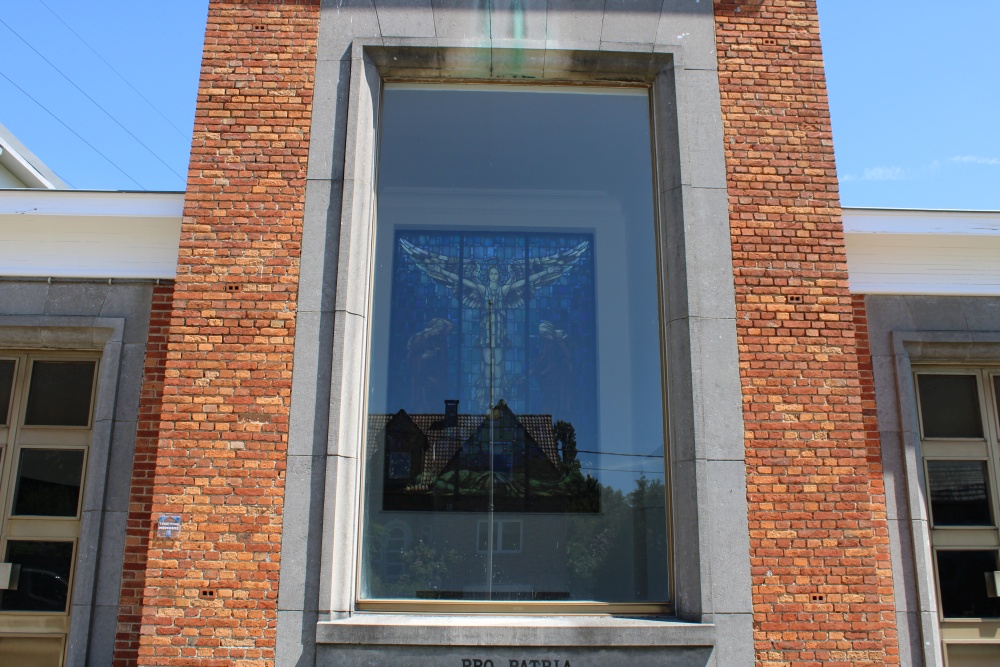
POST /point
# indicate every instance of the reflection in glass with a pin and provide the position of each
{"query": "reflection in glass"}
(48, 482)
(515, 427)
(43, 584)
(59, 393)
(949, 406)
(959, 496)
(6, 387)
(962, 580)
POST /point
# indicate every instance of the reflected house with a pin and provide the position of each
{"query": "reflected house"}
(442, 463)
(432, 533)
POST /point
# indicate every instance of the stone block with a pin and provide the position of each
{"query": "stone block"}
(112, 552)
(722, 522)
(699, 113)
(518, 20)
(518, 64)
(735, 646)
(690, 30)
(688, 578)
(354, 262)
(631, 20)
(97, 465)
(464, 19)
(23, 298)
(341, 23)
(76, 298)
(414, 18)
(576, 22)
(295, 644)
(103, 628)
(320, 247)
(119, 467)
(79, 635)
(310, 409)
(716, 392)
(130, 381)
(347, 386)
(130, 302)
(328, 129)
(709, 263)
(341, 512)
(937, 313)
(302, 528)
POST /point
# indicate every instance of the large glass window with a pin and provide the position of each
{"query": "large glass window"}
(515, 409)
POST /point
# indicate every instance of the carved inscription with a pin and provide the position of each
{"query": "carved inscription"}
(479, 662)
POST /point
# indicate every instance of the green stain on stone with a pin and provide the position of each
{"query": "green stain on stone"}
(518, 19)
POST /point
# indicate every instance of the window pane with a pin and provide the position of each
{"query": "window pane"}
(959, 496)
(48, 482)
(515, 350)
(44, 581)
(6, 387)
(949, 406)
(962, 579)
(59, 394)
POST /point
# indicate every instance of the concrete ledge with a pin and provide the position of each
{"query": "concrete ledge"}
(485, 630)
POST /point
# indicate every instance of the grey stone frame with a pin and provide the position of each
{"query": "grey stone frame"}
(322, 508)
(97, 578)
(908, 331)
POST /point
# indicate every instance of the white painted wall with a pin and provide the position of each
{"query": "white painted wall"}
(74, 234)
(923, 252)
(80, 234)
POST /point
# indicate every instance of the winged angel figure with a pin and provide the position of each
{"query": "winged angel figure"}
(494, 298)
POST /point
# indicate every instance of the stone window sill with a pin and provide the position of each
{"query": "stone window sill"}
(492, 630)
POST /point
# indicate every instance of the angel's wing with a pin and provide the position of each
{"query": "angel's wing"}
(446, 271)
(541, 271)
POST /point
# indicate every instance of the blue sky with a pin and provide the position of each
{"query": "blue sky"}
(914, 92)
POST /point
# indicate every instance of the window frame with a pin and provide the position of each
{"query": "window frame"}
(946, 349)
(704, 423)
(666, 607)
(986, 449)
(103, 340)
(406, 605)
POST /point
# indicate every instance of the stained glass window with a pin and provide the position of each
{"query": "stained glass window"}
(515, 377)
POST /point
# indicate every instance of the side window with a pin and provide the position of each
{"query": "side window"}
(46, 415)
(958, 421)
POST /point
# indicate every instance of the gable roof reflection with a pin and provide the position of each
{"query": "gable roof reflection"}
(442, 445)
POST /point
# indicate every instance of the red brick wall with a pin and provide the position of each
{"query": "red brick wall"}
(869, 416)
(143, 474)
(220, 458)
(822, 587)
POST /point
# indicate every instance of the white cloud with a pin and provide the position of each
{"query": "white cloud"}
(975, 159)
(883, 174)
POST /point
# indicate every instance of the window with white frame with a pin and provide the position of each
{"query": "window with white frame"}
(506, 536)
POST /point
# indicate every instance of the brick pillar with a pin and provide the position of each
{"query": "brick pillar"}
(143, 474)
(211, 594)
(819, 550)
